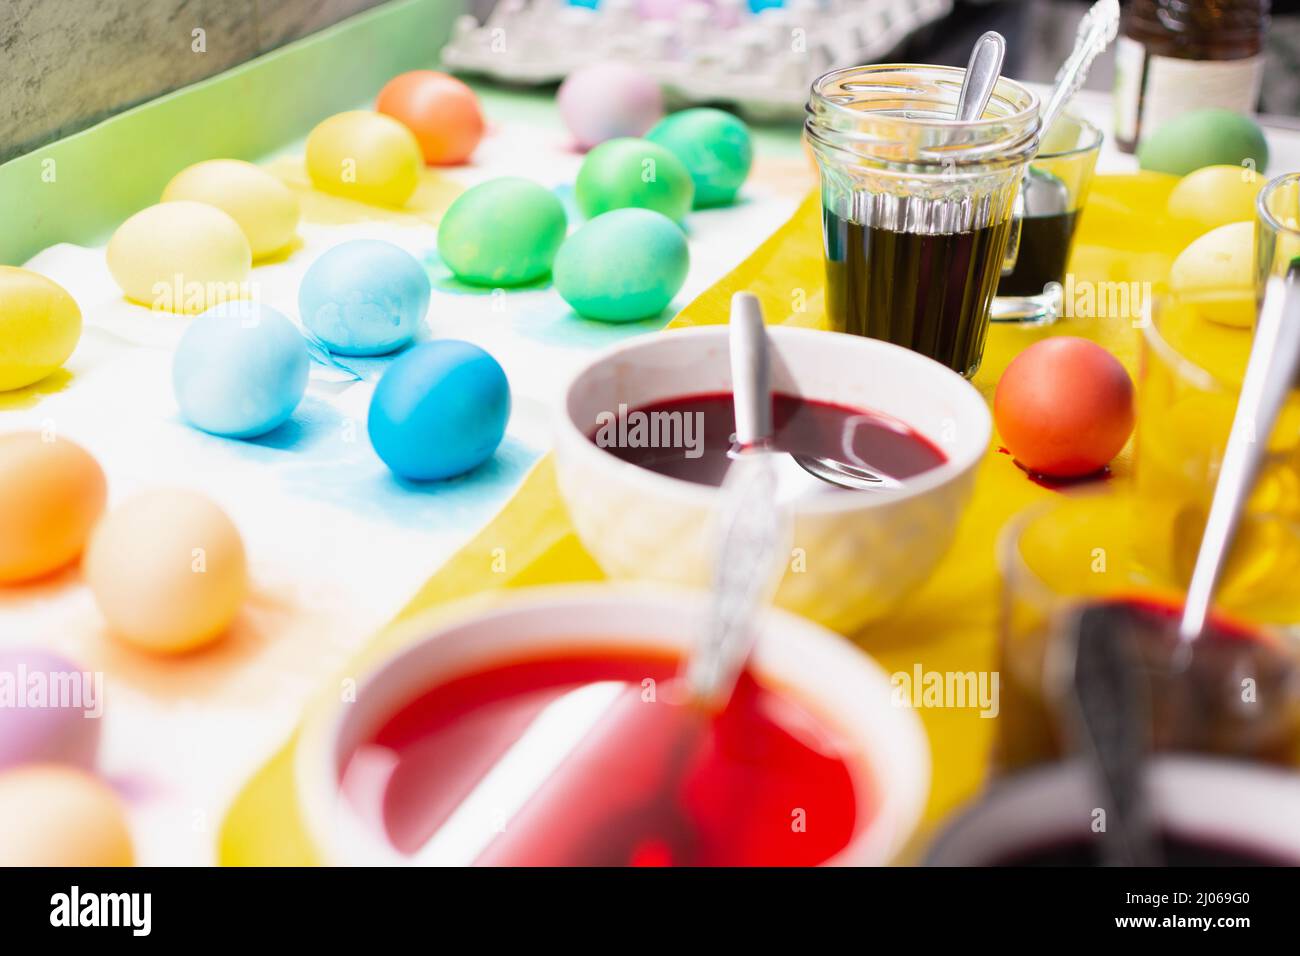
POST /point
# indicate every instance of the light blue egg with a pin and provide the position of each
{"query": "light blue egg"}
(439, 411)
(240, 370)
(364, 297)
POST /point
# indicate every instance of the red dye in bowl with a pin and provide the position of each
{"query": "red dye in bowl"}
(583, 760)
(690, 437)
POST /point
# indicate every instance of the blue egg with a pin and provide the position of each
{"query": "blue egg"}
(439, 410)
(240, 370)
(364, 297)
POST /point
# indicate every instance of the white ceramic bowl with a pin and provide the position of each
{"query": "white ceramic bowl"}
(830, 678)
(858, 553)
(1227, 803)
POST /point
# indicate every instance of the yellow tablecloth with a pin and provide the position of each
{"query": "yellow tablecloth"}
(949, 625)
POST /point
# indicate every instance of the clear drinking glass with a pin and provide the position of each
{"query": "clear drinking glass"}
(1277, 229)
(917, 206)
(1051, 197)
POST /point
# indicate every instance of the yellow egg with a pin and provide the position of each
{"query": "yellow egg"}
(1214, 196)
(60, 816)
(168, 571)
(1216, 274)
(181, 256)
(39, 327)
(265, 208)
(51, 494)
(365, 156)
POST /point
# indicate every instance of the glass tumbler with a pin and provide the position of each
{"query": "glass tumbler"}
(916, 205)
(1051, 198)
(1277, 229)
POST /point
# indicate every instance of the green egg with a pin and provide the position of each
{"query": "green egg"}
(504, 232)
(714, 146)
(622, 266)
(627, 172)
(1208, 137)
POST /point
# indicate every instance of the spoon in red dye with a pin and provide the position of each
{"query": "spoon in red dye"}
(668, 729)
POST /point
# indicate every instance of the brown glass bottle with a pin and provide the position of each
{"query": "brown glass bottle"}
(1178, 55)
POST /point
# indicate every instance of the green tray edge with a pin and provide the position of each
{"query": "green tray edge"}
(79, 189)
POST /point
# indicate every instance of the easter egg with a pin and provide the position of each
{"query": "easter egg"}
(40, 325)
(51, 494)
(440, 410)
(603, 101)
(713, 145)
(622, 266)
(504, 232)
(1216, 275)
(168, 571)
(52, 815)
(440, 110)
(181, 256)
(364, 297)
(240, 370)
(365, 156)
(49, 710)
(265, 208)
(634, 172)
(1214, 196)
(1064, 407)
(1206, 137)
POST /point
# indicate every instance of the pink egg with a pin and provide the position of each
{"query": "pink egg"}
(49, 710)
(608, 100)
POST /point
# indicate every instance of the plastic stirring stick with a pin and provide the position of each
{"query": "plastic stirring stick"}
(1270, 375)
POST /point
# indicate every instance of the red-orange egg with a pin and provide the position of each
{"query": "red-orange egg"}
(440, 110)
(1064, 407)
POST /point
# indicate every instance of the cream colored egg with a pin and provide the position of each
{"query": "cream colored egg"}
(51, 494)
(265, 208)
(1214, 196)
(1216, 274)
(60, 816)
(181, 256)
(40, 325)
(168, 570)
(365, 156)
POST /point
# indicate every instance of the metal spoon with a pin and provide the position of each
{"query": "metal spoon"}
(752, 524)
(1270, 374)
(982, 72)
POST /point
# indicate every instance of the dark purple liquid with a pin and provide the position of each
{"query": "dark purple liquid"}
(801, 426)
(1043, 254)
(930, 293)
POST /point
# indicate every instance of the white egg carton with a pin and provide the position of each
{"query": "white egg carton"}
(711, 52)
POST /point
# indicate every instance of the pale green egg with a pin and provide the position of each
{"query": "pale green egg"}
(714, 146)
(504, 232)
(627, 172)
(622, 266)
(1208, 137)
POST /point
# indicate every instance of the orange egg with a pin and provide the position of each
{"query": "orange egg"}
(60, 816)
(51, 494)
(1064, 407)
(168, 570)
(440, 110)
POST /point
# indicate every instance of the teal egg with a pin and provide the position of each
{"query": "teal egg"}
(504, 232)
(633, 173)
(622, 266)
(714, 146)
(1208, 137)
